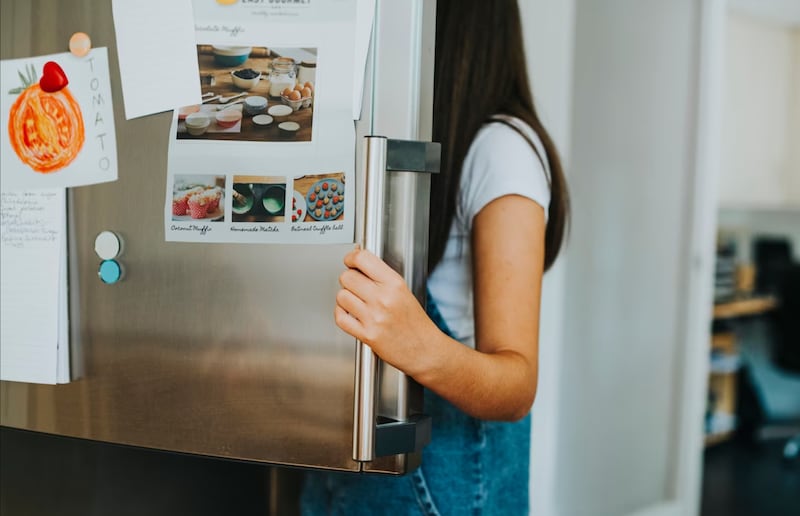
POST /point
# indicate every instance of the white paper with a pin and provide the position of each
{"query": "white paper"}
(365, 18)
(57, 139)
(63, 369)
(156, 48)
(264, 164)
(33, 321)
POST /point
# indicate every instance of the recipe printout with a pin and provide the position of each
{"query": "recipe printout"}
(269, 154)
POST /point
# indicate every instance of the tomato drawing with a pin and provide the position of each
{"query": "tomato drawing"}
(45, 123)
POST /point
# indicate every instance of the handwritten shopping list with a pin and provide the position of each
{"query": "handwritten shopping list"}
(57, 122)
(33, 333)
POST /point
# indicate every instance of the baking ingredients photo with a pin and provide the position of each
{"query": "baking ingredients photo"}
(252, 93)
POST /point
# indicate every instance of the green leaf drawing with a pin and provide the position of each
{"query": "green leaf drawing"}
(27, 80)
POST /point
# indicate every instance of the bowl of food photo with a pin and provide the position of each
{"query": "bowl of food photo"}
(228, 117)
(187, 110)
(255, 105)
(289, 128)
(197, 123)
(274, 199)
(246, 78)
(262, 120)
(231, 55)
(279, 112)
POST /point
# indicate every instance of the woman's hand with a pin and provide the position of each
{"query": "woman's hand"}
(376, 307)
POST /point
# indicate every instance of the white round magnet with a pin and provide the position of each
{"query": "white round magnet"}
(107, 245)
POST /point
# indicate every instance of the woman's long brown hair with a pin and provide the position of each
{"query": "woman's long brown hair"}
(480, 71)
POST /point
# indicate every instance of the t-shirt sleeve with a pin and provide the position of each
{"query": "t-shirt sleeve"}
(501, 162)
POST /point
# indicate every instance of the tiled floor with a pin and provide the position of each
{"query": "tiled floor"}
(740, 480)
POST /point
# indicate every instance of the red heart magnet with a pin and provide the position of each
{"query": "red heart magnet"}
(53, 78)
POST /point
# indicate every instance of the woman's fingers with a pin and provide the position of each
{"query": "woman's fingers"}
(372, 266)
(357, 283)
(351, 304)
(348, 323)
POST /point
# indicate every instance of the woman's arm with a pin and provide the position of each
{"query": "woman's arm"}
(495, 381)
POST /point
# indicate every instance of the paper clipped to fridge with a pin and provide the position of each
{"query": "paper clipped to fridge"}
(57, 121)
(34, 324)
(268, 155)
(155, 45)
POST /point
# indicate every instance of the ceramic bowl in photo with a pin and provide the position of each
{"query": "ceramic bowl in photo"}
(289, 128)
(274, 199)
(228, 117)
(231, 55)
(262, 120)
(197, 123)
(187, 110)
(245, 79)
(255, 105)
(279, 112)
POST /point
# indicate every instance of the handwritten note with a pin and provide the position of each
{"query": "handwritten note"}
(33, 283)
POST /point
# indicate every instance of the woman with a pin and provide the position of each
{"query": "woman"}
(497, 225)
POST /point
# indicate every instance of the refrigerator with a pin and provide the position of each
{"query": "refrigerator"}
(231, 351)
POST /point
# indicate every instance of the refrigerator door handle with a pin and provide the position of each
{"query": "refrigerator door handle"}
(373, 436)
(373, 192)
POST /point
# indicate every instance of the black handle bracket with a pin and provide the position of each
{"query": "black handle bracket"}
(394, 437)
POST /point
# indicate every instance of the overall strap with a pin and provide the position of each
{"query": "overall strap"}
(436, 316)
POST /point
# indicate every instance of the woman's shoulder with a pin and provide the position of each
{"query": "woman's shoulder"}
(503, 141)
(501, 161)
(507, 138)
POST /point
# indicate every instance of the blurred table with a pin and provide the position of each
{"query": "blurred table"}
(744, 306)
(725, 362)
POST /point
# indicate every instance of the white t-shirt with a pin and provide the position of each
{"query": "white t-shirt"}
(499, 162)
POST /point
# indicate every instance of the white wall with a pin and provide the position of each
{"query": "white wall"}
(621, 402)
(794, 128)
(616, 82)
(549, 39)
(760, 131)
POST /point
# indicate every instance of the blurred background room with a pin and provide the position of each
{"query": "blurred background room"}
(669, 378)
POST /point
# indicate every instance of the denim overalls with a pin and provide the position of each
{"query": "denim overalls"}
(470, 467)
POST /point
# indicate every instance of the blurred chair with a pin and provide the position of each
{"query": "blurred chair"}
(768, 404)
(771, 256)
(786, 346)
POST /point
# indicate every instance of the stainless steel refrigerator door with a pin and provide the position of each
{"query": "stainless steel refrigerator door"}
(220, 350)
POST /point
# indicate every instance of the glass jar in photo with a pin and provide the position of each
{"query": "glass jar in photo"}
(307, 72)
(283, 75)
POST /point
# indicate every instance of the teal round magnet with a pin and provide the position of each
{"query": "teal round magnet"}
(110, 272)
